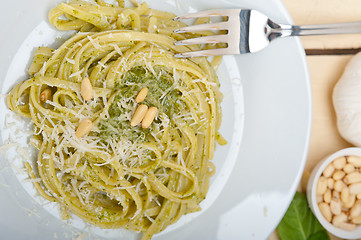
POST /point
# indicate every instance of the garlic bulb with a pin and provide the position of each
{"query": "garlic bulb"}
(347, 102)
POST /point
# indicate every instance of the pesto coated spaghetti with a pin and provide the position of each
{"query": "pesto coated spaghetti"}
(117, 175)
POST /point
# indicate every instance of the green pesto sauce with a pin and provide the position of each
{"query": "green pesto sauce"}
(115, 129)
(161, 94)
(161, 91)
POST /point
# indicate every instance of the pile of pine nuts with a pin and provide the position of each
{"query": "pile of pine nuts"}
(142, 113)
(339, 192)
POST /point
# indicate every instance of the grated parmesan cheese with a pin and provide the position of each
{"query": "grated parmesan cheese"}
(102, 65)
(71, 61)
(95, 44)
(76, 74)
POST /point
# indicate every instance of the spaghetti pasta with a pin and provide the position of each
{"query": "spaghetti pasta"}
(117, 175)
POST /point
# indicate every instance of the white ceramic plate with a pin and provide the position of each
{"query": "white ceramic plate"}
(267, 105)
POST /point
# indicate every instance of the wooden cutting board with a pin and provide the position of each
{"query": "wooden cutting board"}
(325, 70)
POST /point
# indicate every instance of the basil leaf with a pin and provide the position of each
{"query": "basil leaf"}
(299, 223)
(320, 235)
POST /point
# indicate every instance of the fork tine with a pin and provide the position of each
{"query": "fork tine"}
(204, 27)
(203, 40)
(205, 53)
(208, 13)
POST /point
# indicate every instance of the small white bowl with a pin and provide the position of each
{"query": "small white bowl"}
(311, 194)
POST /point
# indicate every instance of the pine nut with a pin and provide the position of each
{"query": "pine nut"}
(355, 188)
(345, 193)
(335, 206)
(350, 202)
(328, 171)
(330, 183)
(138, 115)
(327, 196)
(356, 210)
(149, 117)
(356, 161)
(319, 198)
(45, 95)
(358, 196)
(357, 220)
(141, 95)
(339, 185)
(335, 195)
(325, 210)
(347, 226)
(353, 177)
(86, 89)
(338, 175)
(321, 186)
(84, 127)
(338, 219)
(349, 168)
(339, 163)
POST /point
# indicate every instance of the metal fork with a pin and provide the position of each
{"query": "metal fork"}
(249, 31)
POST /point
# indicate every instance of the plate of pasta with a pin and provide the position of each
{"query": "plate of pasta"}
(105, 134)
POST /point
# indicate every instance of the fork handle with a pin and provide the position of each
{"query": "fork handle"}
(284, 30)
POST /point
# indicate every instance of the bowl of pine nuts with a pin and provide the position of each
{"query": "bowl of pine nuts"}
(334, 193)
